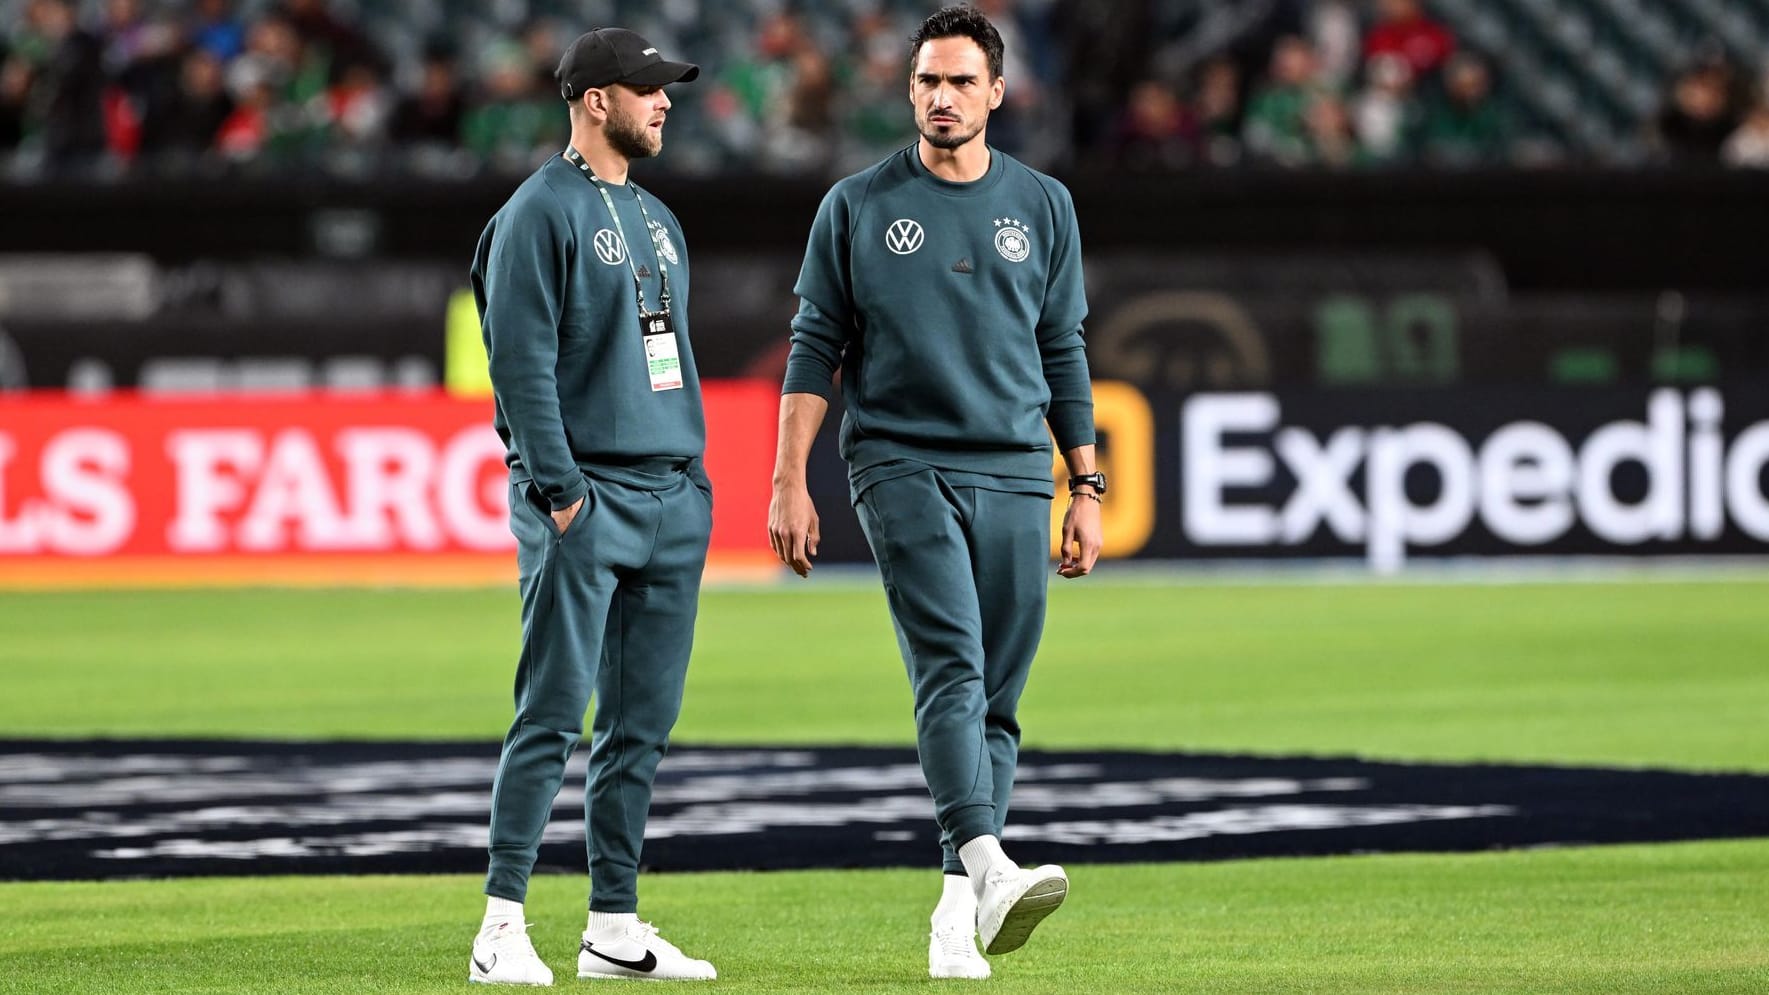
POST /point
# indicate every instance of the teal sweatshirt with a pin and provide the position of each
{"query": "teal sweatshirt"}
(954, 313)
(561, 327)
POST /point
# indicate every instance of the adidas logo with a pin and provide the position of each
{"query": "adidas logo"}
(644, 271)
(963, 266)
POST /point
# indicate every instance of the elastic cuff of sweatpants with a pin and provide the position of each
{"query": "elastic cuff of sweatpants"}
(968, 823)
(506, 884)
(616, 903)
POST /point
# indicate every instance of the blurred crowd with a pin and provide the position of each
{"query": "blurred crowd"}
(1353, 85)
(1372, 83)
(202, 87)
(197, 87)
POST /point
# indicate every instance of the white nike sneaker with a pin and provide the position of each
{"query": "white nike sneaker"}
(502, 955)
(952, 952)
(641, 954)
(1013, 902)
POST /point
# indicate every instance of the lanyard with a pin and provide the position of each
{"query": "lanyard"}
(572, 156)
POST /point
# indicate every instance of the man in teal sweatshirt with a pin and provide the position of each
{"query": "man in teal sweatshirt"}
(582, 285)
(945, 283)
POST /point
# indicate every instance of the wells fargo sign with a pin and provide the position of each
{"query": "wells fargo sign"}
(326, 483)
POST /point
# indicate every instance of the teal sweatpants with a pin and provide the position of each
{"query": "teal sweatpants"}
(964, 571)
(606, 607)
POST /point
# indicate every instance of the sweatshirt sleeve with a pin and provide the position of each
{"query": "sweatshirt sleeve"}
(525, 268)
(825, 319)
(1060, 344)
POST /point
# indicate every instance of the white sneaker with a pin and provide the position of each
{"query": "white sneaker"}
(502, 955)
(1013, 902)
(639, 953)
(952, 952)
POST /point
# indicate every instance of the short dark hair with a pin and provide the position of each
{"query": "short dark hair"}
(960, 21)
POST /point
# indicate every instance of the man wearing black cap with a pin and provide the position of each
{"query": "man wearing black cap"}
(582, 286)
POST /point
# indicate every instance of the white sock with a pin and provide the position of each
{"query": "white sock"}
(610, 924)
(958, 903)
(981, 856)
(501, 910)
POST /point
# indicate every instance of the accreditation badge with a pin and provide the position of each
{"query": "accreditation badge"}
(662, 360)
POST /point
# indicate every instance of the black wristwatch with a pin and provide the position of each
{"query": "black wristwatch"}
(1095, 480)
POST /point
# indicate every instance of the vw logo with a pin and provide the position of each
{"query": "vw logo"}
(609, 248)
(903, 237)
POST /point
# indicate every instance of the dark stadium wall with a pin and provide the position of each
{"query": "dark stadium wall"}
(1546, 230)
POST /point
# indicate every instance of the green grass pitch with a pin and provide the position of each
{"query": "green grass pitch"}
(1637, 673)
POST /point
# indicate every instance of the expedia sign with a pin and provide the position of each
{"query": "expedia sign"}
(1393, 474)
(1390, 475)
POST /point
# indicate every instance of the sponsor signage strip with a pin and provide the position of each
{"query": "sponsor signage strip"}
(1384, 476)
(1391, 475)
(304, 479)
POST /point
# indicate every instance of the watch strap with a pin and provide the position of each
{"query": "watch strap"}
(1095, 480)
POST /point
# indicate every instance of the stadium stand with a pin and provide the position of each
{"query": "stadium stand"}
(453, 89)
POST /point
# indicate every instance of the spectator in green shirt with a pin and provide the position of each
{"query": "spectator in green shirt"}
(1276, 126)
(511, 128)
(1465, 127)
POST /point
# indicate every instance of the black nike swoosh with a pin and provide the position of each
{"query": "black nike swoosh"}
(646, 964)
(485, 968)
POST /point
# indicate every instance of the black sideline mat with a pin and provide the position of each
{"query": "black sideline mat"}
(108, 809)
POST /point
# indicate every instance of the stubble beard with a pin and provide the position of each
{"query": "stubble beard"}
(630, 138)
(948, 140)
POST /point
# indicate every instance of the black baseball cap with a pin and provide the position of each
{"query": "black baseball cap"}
(616, 55)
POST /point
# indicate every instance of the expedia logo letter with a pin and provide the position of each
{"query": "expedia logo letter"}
(903, 237)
